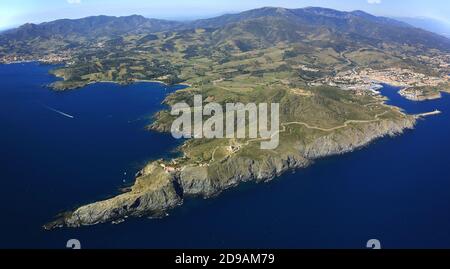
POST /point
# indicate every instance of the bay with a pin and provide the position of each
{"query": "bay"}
(396, 190)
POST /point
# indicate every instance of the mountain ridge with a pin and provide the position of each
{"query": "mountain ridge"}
(108, 25)
(357, 23)
(433, 25)
(319, 64)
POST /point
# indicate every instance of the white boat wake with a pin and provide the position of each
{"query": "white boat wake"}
(59, 112)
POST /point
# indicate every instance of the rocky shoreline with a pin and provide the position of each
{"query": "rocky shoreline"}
(157, 191)
(419, 95)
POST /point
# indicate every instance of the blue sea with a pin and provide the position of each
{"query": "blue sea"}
(396, 190)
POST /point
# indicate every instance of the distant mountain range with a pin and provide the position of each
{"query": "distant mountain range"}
(91, 27)
(258, 27)
(432, 25)
(317, 63)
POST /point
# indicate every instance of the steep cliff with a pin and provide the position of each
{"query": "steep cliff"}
(157, 190)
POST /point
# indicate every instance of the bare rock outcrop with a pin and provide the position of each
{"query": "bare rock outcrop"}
(156, 190)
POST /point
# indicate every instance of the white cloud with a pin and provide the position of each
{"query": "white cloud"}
(74, 2)
(374, 2)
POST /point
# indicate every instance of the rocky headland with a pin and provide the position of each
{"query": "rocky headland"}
(157, 190)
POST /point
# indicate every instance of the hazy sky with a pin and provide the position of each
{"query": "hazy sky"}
(16, 12)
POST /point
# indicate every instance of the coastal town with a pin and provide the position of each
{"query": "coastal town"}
(52, 58)
(415, 86)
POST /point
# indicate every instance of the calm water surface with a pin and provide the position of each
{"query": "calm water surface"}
(396, 190)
